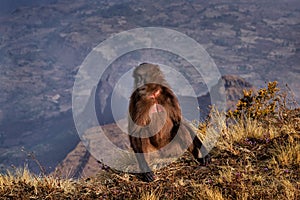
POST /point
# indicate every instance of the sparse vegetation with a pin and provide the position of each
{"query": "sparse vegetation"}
(256, 157)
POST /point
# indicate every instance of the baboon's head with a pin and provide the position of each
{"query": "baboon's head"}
(148, 73)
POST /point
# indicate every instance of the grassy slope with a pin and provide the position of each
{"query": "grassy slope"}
(253, 159)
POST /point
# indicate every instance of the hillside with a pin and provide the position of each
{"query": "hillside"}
(256, 157)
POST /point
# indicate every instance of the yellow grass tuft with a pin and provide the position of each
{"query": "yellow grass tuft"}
(13, 184)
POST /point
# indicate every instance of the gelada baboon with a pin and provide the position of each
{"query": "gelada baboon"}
(153, 97)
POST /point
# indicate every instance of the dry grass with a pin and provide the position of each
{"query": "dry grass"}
(254, 158)
(23, 185)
